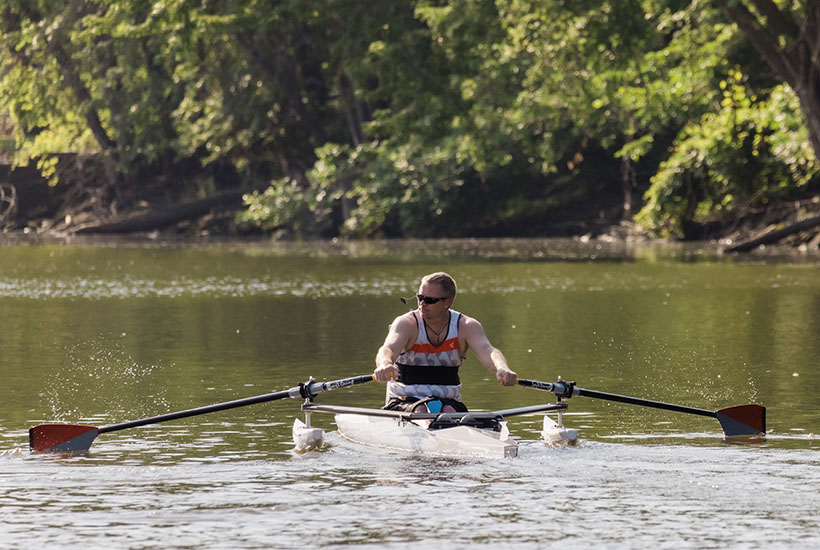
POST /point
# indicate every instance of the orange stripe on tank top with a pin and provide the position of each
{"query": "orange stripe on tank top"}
(447, 345)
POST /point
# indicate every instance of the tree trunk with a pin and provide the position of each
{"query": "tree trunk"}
(775, 236)
(73, 81)
(351, 108)
(161, 218)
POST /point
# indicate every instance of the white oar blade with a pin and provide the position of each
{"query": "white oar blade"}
(61, 438)
(743, 420)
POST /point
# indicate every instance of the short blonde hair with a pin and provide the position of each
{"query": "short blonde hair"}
(445, 281)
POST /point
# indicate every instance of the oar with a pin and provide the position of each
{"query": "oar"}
(737, 420)
(75, 438)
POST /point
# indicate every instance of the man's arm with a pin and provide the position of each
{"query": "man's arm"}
(400, 334)
(490, 356)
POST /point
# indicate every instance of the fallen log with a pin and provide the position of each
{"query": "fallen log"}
(775, 235)
(161, 218)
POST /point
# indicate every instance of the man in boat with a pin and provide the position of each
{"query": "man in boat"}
(423, 349)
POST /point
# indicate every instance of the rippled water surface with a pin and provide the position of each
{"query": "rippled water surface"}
(101, 333)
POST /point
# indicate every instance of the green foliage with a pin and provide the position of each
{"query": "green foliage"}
(390, 190)
(168, 83)
(409, 118)
(744, 155)
(46, 121)
(303, 207)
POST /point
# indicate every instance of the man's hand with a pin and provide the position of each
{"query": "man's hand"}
(505, 376)
(386, 372)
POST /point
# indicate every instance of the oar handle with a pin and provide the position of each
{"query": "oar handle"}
(561, 389)
(307, 390)
(314, 388)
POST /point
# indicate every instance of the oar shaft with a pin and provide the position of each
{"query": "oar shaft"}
(739, 420)
(202, 410)
(643, 402)
(309, 389)
(569, 389)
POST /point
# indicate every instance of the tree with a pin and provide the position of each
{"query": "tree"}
(753, 148)
(421, 117)
(166, 95)
(788, 38)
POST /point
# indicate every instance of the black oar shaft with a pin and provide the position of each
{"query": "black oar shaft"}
(740, 420)
(643, 402)
(200, 410)
(568, 389)
(308, 389)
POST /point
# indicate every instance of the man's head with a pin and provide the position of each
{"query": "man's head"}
(446, 283)
(436, 293)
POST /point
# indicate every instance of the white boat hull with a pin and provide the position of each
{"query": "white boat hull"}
(402, 435)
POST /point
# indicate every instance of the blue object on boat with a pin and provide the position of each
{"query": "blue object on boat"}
(434, 406)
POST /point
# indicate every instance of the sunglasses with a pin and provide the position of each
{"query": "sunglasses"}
(429, 300)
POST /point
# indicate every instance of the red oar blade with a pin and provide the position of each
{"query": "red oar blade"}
(743, 420)
(61, 438)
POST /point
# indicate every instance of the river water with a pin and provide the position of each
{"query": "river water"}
(110, 331)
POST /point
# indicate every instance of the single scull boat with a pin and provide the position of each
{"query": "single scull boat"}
(464, 434)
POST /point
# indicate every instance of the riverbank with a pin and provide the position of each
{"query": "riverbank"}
(435, 252)
(30, 206)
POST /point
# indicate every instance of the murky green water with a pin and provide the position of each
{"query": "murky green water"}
(103, 333)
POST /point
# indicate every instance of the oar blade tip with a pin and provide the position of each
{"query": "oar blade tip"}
(61, 438)
(743, 420)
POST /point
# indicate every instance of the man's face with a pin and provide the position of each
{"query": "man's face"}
(433, 290)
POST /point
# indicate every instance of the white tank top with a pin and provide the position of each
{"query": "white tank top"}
(423, 353)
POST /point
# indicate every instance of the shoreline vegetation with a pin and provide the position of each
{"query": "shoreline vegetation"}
(681, 121)
(199, 223)
(44, 213)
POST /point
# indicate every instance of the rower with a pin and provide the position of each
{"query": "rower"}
(424, 349)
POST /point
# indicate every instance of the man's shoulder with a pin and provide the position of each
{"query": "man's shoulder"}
(467, 320)
(405, 319)
(470, 325)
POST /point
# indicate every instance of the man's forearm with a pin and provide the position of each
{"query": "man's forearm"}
(384, 357)
(498, 360)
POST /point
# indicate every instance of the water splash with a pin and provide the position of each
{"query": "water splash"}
(99, 379)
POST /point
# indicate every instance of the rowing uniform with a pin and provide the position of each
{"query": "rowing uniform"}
(426, 370)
